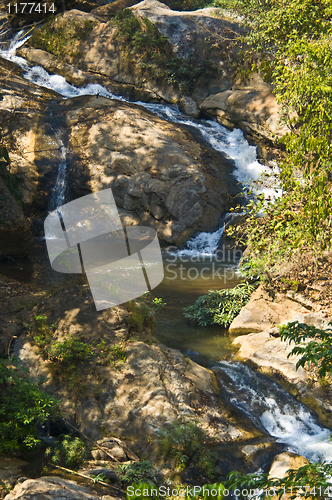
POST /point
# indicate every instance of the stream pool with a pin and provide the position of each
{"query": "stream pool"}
(183, 283)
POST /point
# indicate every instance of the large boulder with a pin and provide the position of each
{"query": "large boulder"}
(264, 311)
(160, 175)
(253, 108)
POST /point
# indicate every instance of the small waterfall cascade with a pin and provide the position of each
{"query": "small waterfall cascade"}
(274, 411)
(59, 190)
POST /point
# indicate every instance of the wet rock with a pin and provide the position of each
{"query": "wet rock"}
(269, 354)
(263, 347)
(16, 239)
(22, 108)
(285, 461)
(253, 108)
(189, 107)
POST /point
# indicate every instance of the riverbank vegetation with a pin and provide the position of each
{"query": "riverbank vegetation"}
(294, 42)
(219, 307)
(23, 409)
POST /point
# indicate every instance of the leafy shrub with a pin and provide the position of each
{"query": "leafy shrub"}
(136, 472)
(220, 306)
(70, 350)
(313, 479)
(61, 37)
(69, 452)
(23, 406)
(295, 39)
(317, 352)
(142, 313)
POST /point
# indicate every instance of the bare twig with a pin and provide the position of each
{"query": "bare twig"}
(88, 477)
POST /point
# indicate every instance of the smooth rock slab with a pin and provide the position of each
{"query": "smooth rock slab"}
(264, 312)
(50, 488)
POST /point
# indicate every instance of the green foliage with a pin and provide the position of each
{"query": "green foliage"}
(275, 22)
(317, 352)
(295, 37)
(142, 312)
(311, 481)
(22, 408)
(136, 472)
(151, 51)
(9, 179)
(187, 4)
(219, 307)
(70, 350)
(69, 452)
(61, 37)
(186, 443)
(110, 353)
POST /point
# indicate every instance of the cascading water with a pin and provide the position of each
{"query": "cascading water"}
(58, 193)
(274, 411)
(248, 171)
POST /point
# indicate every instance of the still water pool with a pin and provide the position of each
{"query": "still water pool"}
(183, 283)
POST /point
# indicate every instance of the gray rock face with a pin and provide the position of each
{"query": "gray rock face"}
(15, 236)
(158, 173)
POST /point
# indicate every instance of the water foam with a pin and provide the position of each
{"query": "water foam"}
(275, 411)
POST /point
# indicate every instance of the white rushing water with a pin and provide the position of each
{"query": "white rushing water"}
(248, 171)
(59, 189)
(274, 410)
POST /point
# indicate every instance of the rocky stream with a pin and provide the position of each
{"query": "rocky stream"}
(178, 164)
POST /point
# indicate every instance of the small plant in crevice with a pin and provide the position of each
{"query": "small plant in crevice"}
(219, 307)
(110, 353)
(69, 452)
(186, 444)
(136, 472)
(142, 313)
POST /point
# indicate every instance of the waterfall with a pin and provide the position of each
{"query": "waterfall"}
(275, 411)
(58, 193)
(254, 176)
